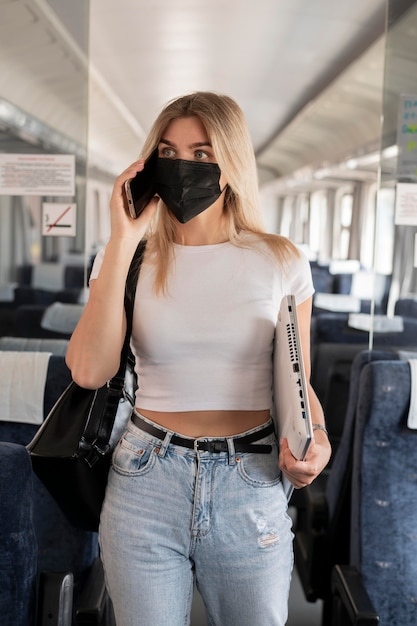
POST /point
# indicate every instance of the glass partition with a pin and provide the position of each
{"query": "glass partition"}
(43, 153)
(396, 223)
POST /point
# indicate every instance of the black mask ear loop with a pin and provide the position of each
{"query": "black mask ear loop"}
(226, 186)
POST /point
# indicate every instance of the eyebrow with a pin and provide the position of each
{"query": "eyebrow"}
(198, 144)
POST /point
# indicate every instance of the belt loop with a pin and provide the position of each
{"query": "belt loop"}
(231, 450)
(165, 444)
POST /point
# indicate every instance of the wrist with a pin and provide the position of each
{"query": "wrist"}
(121, 249)
(320, 427)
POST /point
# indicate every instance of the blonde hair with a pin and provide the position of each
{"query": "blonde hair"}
(228, 134)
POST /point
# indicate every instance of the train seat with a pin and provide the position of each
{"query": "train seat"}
(330, 378)
(344, 328)
(56, 380)
(342, 282)
(380, 580)
(45, 283)
(61, 317)
(16, 344)
(406, 307)
(25, 296)
(322, 279)
(368, 284)
(38, 586)
(60, 546)
(27, 323)
(333, 350)
(336, 302)
(334, 327)
(348, 288)
(322, 520)
(7, 307)
(56, 320)
(52, 276)
(18, 553)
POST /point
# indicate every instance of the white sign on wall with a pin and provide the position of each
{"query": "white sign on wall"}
(59, 220)
(37, 174)
(406, 204)
(407, 137)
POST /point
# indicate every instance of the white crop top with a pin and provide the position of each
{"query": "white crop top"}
(207, 344)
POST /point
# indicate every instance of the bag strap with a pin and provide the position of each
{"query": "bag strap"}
(130, 293)
(114, 388)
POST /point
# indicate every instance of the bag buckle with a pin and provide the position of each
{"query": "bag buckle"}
(95, 453)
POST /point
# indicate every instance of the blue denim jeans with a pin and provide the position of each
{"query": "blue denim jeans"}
(171, 513)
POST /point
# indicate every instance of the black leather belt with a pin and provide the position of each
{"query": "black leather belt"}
(241, 444)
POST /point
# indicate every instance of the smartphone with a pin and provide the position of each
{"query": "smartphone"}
(140, 189)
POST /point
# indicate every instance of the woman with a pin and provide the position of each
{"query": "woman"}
(195, 487)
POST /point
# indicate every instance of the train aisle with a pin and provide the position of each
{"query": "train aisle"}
(301, 612)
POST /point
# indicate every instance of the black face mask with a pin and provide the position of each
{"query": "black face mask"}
(187, 187)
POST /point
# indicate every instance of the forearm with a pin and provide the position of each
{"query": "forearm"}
(316, 410)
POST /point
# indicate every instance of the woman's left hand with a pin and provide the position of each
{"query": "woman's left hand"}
(302, 473)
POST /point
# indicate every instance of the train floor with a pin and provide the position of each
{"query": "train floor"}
(300, 612)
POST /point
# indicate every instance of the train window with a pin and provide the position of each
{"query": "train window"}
(287, 217)
(318, 224)
(300, 231)
(384, 231)
(367, 239)
(32, 207)
(342, 224)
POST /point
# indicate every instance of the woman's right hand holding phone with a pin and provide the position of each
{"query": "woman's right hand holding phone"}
(123, 226)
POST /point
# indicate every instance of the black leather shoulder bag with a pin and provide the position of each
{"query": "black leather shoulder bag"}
(71, 451)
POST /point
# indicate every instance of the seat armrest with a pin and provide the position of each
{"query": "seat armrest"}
(312, 559)
(350, 598)
(55, 597)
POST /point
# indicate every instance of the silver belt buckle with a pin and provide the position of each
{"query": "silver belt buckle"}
(196, 444)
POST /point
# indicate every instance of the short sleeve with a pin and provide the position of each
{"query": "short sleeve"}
(95, 270)
(300, 278)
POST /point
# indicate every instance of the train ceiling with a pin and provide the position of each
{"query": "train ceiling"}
(307, 73)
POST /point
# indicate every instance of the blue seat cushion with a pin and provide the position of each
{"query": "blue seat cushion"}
(18, 542)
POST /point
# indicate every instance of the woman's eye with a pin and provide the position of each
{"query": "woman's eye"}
(167, 153)
(200, 154)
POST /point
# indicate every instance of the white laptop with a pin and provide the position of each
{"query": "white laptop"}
(291, 407)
